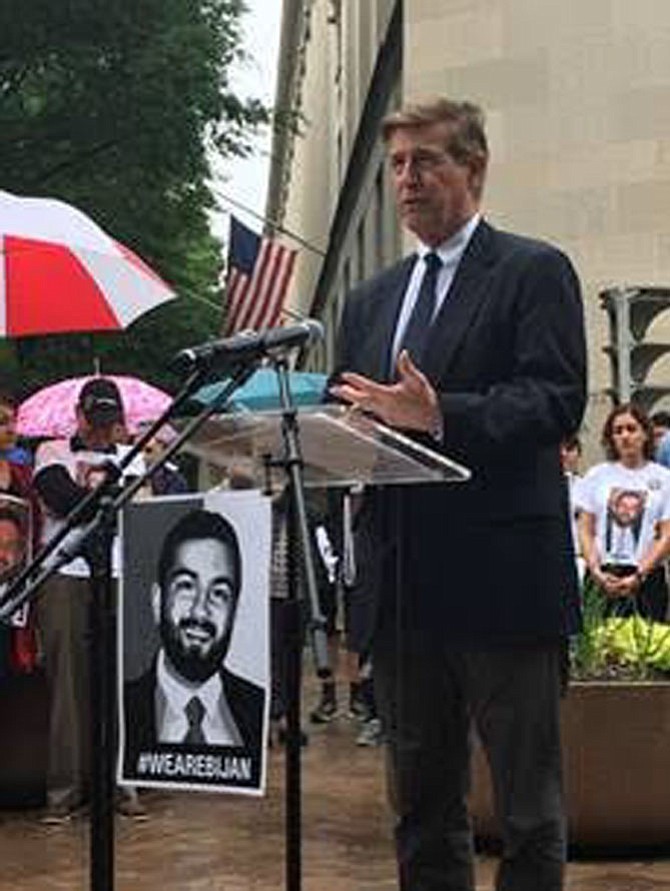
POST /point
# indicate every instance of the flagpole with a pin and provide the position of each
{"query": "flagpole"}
(272, 224)
(293, 314)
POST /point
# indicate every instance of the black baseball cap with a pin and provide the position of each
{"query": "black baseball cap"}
(100, 402)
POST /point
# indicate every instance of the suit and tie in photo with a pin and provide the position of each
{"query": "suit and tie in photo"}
(189, 719)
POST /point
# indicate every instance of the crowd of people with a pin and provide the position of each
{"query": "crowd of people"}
(53, 477)
(459, 598)
(621, 531)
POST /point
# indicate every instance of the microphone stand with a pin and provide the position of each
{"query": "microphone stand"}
(95, 540)
(299, 542)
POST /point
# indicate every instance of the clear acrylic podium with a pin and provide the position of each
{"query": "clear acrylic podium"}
(339, 447)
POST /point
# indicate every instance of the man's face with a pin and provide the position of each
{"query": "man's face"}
(11, 548)
(628, 508)
(570, 458)
(435, 195)
(7, 427)
(96, 435)
(197, 608)
(659, 432)
(152, 451)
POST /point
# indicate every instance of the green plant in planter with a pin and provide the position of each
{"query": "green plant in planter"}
(637, 643)
(617, 648)
(587, 658)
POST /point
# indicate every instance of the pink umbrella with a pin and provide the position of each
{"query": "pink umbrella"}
(51, 410)
(60, 272)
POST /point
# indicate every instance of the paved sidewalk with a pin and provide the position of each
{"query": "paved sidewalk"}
(195, 842)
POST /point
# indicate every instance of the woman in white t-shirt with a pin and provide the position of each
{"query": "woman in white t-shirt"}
(625, 517)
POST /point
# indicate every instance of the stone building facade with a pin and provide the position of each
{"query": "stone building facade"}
(577, 97)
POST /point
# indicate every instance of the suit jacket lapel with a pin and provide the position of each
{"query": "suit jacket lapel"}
(465, 297)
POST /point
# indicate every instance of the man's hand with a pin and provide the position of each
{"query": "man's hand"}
(410, 404)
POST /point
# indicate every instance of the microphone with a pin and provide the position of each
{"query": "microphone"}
(248, 345)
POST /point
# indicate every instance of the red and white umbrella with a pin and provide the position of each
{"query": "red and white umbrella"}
(60, 272)
(51, 410)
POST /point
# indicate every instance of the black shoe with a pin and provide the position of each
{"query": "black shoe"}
(282, 736)
(358, 710)
(371, 733)
(325, 712)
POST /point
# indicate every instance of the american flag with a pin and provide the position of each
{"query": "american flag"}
(259, 272)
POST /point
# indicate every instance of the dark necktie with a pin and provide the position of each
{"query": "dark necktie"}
(416, 334)
(195, 712)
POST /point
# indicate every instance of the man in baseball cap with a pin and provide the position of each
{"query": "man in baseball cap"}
(65, 470)
(100, 403)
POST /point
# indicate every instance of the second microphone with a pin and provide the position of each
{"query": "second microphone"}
(248, 345)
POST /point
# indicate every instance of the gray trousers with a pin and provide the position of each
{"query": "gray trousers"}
(429, 696)
(63, 620)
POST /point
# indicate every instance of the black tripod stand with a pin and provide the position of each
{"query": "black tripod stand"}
(299, 543)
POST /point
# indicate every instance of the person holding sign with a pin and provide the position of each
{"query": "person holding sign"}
(65, 471)
(18, 647)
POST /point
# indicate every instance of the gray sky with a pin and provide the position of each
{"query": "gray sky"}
(246, 180)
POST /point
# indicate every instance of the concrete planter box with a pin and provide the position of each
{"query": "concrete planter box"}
(616, 739)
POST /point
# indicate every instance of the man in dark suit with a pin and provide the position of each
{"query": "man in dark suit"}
(475, 344)
(188, 700)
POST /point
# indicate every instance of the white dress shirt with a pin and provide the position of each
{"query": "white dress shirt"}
(172, 697)
(450, 253)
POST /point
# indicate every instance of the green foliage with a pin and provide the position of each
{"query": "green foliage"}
(636, 643)
(587, 658)
(610, 647)
(113, 106)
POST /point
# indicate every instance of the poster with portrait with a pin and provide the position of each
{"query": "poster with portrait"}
(15, 547)
(193, 642)
(624, 524)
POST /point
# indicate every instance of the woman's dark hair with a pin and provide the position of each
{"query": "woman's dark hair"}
(627, 408)
(660, 419)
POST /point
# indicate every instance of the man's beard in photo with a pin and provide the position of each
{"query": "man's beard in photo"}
(189, 660)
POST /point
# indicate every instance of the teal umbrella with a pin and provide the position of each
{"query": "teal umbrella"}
(261, 391)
